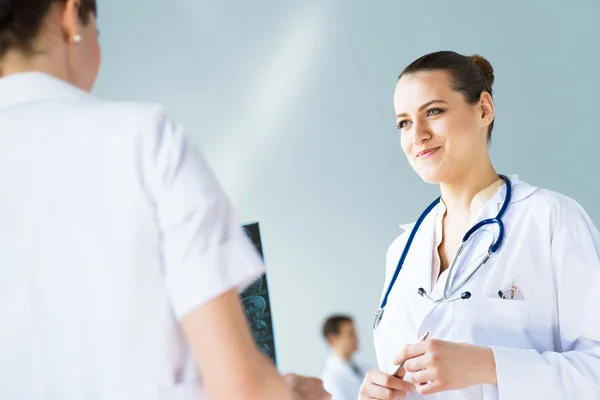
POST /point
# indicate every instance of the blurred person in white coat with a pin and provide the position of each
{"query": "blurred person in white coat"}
(121, 257)
(342, 376)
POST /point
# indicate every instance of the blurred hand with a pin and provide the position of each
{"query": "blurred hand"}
(378, 385)
(305, 388)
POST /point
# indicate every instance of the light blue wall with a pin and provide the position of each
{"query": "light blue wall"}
(291, 102)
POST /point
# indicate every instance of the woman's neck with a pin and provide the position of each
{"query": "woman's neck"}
(458, 194)
(14, 62)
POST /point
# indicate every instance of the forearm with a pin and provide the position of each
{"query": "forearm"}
(229, 363)
(487, 363)
(266, 383)
(256, 379)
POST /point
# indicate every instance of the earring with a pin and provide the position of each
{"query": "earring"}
(77, 38)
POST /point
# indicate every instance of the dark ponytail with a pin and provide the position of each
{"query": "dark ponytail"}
(21, 20)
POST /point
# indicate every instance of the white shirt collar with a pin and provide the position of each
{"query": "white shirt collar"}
(521, 190)
(28, 87)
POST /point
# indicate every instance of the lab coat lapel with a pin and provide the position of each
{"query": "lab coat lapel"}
(476, 248)
(479, 243)
(420, 261)
(437, 318)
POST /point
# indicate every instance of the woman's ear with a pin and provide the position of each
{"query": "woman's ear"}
(487, 109)
(69, 21)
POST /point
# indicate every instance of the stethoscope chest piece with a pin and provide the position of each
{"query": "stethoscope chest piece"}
(378, 317)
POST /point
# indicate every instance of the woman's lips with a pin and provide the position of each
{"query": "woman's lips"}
(427, 152)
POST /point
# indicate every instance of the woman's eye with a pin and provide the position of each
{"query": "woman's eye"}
(434, 111)
(402, 124)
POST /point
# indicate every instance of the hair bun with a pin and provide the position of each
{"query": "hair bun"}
(485, 67)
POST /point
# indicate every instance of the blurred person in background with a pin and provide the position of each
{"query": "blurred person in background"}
(342, 376)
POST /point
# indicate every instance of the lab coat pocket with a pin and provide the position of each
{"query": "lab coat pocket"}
(486, 321)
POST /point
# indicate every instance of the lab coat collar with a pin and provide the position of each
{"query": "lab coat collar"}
(335, 360)
(521, 191)
(336, 363)
(29, 87)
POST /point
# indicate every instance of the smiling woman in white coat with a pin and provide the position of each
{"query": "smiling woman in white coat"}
(503, 276)
(121, 257)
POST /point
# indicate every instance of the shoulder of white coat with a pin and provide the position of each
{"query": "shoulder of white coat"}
(147, 124)
(126, 114)
(559, 206)
(121, 116)
(555, 200)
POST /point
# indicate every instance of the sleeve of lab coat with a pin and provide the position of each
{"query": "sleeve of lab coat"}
(574, 372)
(205, 250)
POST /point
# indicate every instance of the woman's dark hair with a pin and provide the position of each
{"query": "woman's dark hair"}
(21, 20)
(469, 75)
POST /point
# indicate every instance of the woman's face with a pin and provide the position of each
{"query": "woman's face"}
(442, 135)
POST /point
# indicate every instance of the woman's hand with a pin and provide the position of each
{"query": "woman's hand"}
(381, 386)
(438, 365)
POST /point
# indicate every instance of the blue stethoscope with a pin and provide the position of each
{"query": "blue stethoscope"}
(446, 296)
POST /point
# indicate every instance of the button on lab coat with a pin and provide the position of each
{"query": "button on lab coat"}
(547, 341)
(112, 228)
(340, 380)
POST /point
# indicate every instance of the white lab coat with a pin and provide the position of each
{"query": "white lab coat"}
(546, 345)
(112, 228)
(340, 380)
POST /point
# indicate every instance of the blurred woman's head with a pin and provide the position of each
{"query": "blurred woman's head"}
(58, 37)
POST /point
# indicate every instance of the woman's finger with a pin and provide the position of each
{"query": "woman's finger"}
(410, 351)
(388, 381)
(381, 386)
(374, 392)
(416, 364)
(431, 388)
(422, 376)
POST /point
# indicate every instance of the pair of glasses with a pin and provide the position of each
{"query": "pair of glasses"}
(510, 293)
